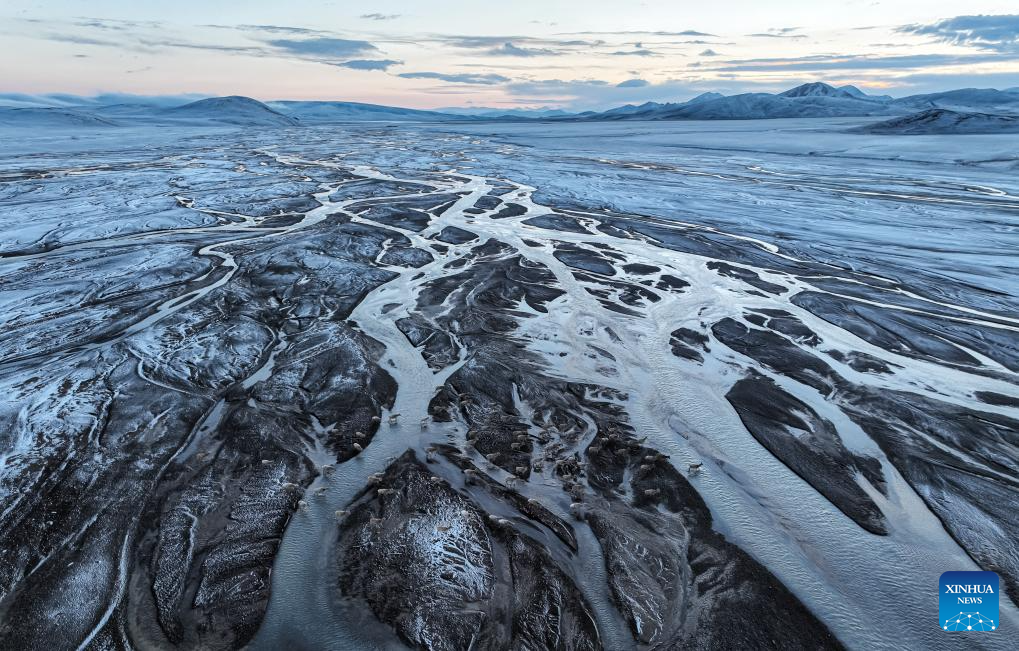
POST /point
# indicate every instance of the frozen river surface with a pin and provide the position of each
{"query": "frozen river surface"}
(641, 386)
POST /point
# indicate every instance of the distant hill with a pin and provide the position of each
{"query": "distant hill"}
(233, 110)
(309, 112)
(651, 110)
(628, 111)
(125, 111)
(944, 121)
(50, 117)
(64, 100)
(965, 99)
(500, 113)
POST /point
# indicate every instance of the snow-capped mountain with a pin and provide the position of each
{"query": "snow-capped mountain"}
(812, 100)
(821, 89)
(815, 100)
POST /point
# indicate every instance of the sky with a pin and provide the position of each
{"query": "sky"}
(568, 54)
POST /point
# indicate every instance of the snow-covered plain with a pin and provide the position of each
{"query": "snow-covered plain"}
(449, 385)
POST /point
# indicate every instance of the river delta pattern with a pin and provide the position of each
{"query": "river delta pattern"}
(356, 389)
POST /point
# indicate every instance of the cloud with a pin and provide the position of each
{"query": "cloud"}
(138, 43)
(326, 47)
(854, 62)
(518, 42)
(633, 83)
(709, 53)
(995, 33)
(642, 52)
(688, 32)
(369, 64)
(509, 50)
(65, 99)
(475, 41)
(274, 29)
(78, 39)
(380, 16)
(149, 37)
(273, 41)
(933, 83)
(458, 78)
(779, 32)
(767, 35)
(112, 24)
(186, 45)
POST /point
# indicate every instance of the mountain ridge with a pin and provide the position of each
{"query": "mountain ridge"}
(810, 100)
(943, 121)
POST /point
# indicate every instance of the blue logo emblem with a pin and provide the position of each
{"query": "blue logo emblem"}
(968, 601)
